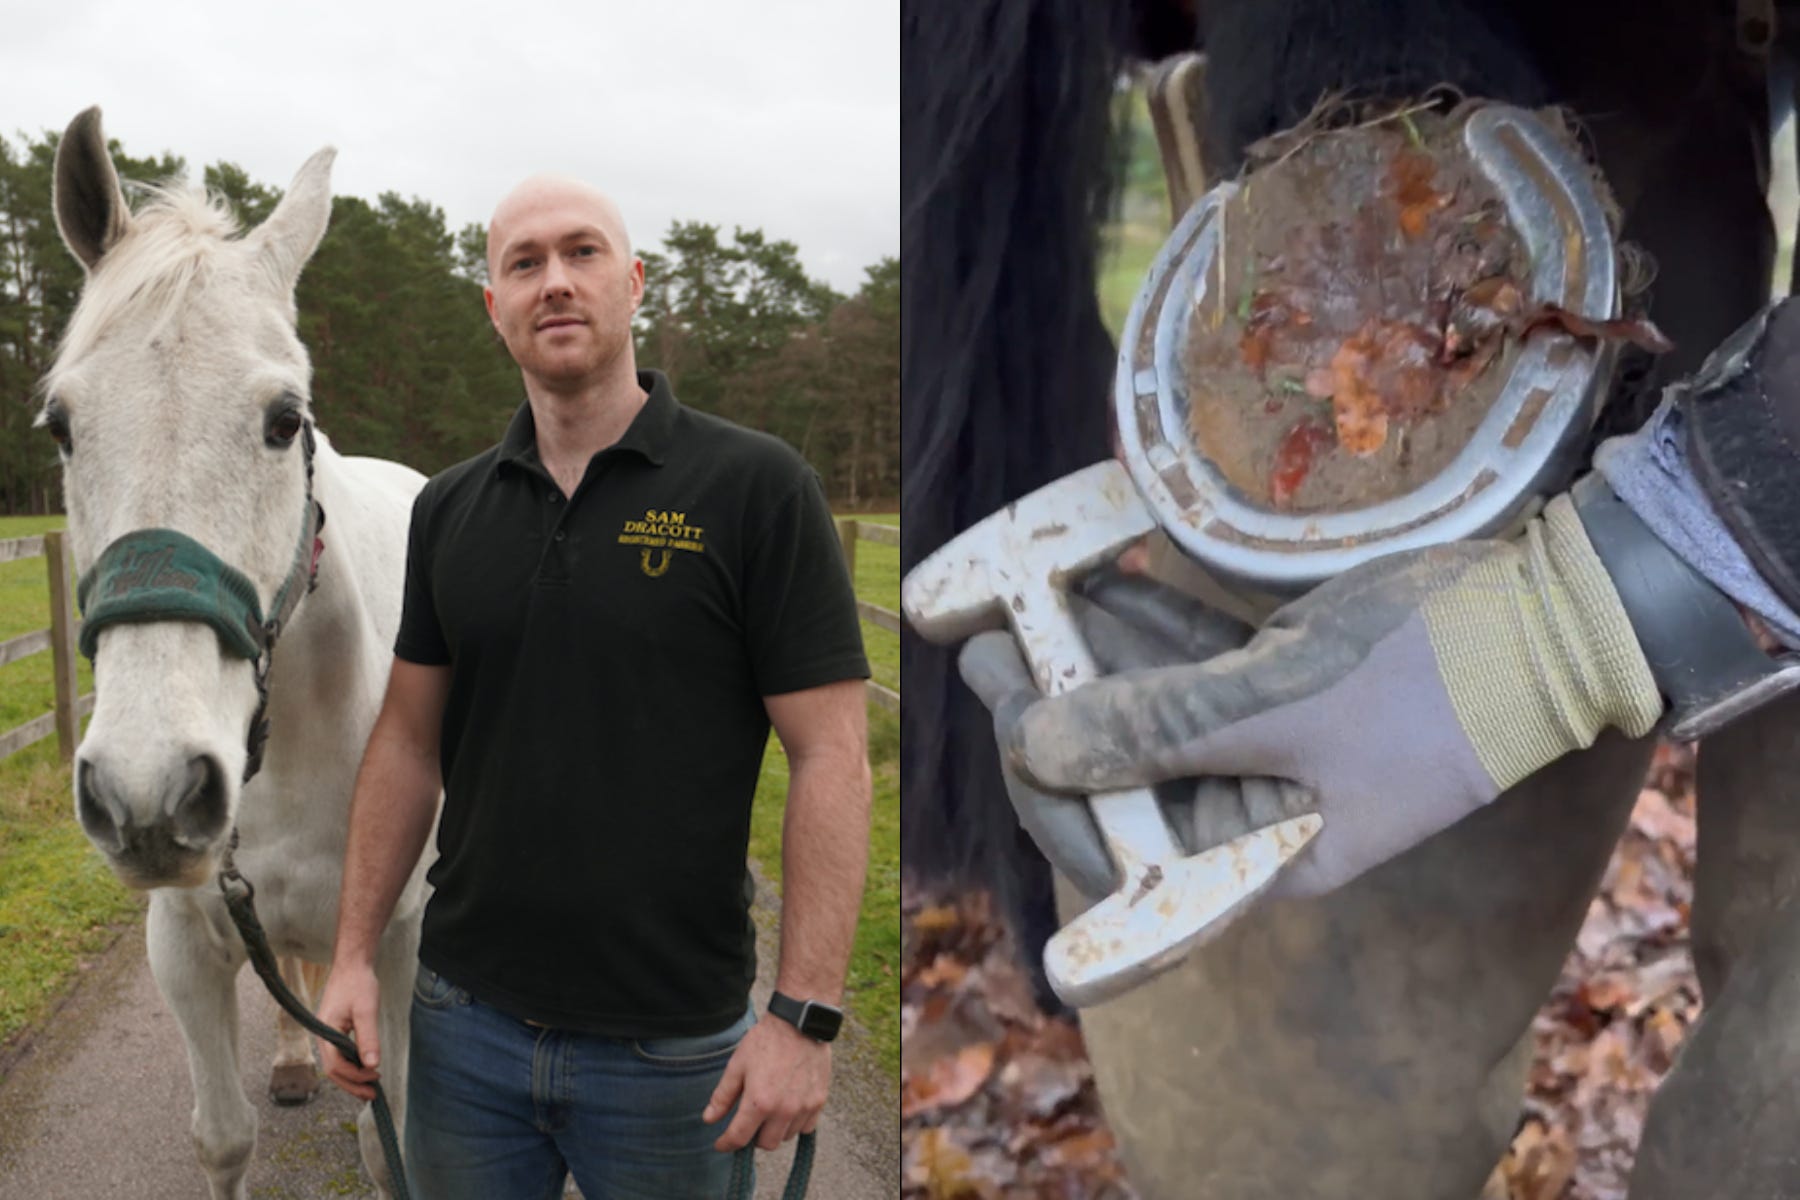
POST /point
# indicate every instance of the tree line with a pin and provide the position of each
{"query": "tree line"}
(407, 367)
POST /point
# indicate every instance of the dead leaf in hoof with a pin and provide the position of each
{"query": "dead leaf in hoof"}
(1294, 458)
(1478, 320)
(1388, 368)
(1640, 331)
(1269, 312)
(1361, 427)
(1412, 174)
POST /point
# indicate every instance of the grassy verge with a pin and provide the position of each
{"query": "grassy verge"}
(873, 991)
(58, 902)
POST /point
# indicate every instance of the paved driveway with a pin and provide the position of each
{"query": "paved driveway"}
(96, 1105)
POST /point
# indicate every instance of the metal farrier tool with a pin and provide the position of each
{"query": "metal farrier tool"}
(1012, 569)
(1009, 569)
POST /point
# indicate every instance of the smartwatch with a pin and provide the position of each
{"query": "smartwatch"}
(818, 1021)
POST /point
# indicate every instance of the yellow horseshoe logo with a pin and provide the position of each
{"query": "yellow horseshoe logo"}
(659, 568)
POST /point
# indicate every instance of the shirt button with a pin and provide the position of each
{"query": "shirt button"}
(555, 496)
(560, 535)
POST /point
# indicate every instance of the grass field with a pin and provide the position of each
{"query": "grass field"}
(58, 902)
(873, 995)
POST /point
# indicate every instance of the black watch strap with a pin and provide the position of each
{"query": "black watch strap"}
(1702, 656)
(816, 1020)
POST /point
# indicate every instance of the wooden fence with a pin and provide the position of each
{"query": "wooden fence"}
(65, 719)
(850, 530)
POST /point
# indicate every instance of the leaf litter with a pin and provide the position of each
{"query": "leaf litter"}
(998, 1099)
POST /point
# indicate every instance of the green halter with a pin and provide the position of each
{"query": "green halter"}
(162, 575)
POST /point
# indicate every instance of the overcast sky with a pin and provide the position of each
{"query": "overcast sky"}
(782, 115)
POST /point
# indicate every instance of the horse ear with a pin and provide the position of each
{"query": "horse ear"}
(90, 208)
(288, 238)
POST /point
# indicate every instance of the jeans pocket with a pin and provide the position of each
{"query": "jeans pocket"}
(707, 1049)
(434, 991)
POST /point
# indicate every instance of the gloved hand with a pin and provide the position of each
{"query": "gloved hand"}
(1129, 624)
(1402, 695)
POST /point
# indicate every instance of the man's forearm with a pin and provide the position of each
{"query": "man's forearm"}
(824, 853)
(390, 817)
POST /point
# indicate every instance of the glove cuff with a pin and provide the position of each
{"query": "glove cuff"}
(1536, 651)
(1610, 682)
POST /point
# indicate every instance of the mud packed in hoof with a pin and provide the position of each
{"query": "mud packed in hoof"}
(1362, 315)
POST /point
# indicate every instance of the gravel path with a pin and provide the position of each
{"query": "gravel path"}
(97, 1104)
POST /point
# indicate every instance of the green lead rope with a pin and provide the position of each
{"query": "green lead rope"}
(799, 1175)
(241, 904)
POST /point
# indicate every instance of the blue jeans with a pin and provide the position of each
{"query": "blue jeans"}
(497, 1109)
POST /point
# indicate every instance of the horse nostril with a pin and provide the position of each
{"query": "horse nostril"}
(101, 815)
(200, 814)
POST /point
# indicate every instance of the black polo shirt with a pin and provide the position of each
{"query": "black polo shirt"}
(605, 724)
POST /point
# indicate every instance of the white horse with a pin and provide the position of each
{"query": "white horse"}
(180, 401)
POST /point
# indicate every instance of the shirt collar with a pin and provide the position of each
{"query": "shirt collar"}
(649, 435)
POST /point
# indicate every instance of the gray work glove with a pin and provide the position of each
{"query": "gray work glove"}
(1129, 624)
(1402, 695)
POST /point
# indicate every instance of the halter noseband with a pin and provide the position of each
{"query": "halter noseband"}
(164, 575)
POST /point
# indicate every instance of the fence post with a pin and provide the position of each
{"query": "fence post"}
(62, 645)
(846, 527)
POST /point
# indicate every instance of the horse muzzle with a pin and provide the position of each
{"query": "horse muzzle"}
(167, 830)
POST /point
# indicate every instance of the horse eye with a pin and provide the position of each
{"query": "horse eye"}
(285, 427)
(58, 426)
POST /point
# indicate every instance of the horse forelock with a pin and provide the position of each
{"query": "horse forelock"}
(179, 238)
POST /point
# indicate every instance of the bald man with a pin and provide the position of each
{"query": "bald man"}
(605, 614)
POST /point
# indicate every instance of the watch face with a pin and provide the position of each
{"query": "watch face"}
(820, 1021)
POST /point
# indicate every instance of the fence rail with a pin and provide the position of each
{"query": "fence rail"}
(64, 720)
(850, 531)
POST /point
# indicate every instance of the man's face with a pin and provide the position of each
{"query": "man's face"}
(563, 283)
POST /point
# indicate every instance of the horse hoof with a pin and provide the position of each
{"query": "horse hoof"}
(293, 1084)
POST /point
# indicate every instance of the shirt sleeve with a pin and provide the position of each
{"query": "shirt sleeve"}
(800, 609)
(421, 637)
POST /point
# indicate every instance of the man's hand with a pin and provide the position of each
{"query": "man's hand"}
(1394, 699)
(349, 1004)
(1129, 623)
(778, 1078)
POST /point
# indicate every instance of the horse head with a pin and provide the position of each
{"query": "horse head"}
(179, 400)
